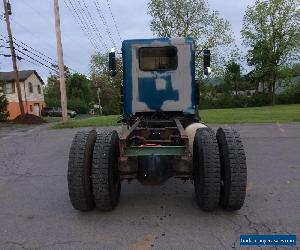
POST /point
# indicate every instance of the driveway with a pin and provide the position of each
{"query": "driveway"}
(35, 211)
(11, 130)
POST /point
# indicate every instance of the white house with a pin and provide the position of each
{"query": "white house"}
(31, 88)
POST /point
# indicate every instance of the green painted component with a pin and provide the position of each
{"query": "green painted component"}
(161, 150)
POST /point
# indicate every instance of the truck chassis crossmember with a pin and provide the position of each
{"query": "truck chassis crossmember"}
(145, 142)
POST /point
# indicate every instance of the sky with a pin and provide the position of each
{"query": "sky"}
(32, 23)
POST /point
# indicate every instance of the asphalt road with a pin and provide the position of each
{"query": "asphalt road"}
(35, 211)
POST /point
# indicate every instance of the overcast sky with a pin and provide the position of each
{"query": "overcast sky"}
(33, 23)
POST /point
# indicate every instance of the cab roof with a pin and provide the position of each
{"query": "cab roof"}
(158, 41)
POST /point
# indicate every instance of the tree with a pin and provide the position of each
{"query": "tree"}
(190, 18)
(108, 87)
(272, 31)
(79, 92)
(56, 72)
(259, 57)
(78, 86)
(296, 70)
(233, 76)
(52, 89)
(3, 108)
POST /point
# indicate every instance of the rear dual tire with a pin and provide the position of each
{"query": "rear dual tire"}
(93, 177)
(79, 170)
(105, 173)
(206, 169)
(233, 169)
(219, 169)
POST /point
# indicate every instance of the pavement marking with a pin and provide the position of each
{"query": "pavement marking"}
(280, 128)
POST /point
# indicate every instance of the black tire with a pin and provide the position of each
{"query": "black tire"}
(206, 169)
(79, 170)
(105, 171)
(233, 169)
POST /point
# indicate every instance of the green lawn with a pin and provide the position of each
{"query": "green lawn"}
(268, 114)
(59, 119)
(52, 119)
(94, 121)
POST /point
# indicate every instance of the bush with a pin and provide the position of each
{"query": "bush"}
(4, 114)
(214, 97)
(110, 101)
(111, 109)
(222, 100)
(78, 105)
(74, 104)
(52, 102)
(259, 99)
(291, 94)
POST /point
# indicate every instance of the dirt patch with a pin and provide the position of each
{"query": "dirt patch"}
(29, 119)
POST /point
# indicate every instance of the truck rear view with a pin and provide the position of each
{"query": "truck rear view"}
(162, 136)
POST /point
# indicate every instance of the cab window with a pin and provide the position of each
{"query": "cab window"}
(158, 58)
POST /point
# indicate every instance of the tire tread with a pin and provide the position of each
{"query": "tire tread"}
(79, 185)
(105, 198)
(207, 177)
(234, 169)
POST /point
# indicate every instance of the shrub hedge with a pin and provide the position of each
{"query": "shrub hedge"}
(3, 108)
(234, 101)
(74, 104)
(226, 100)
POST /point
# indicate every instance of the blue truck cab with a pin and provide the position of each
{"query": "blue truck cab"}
(158, 76)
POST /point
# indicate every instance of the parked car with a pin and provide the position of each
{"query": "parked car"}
(52, 111)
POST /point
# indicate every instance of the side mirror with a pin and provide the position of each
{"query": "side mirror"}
(112, 63)
(206, 61)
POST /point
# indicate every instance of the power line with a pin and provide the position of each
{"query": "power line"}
(26, 45)
(33, 34)
(88, 16)
(86, 21)
(115, 23)
(33, 9)
(36, 60)
(32, 62)
(80, 22)
(75, 13)
(29, 31)
(95, 26)
(81, 10)
(104, 23)
(26, 3)
(5, 55)
(26, 50)
(34, 53)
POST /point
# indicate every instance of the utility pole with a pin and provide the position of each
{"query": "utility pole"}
(7, 12)
(61, 64)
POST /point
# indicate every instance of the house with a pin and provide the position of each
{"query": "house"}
(31, 88)
(281, 84)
